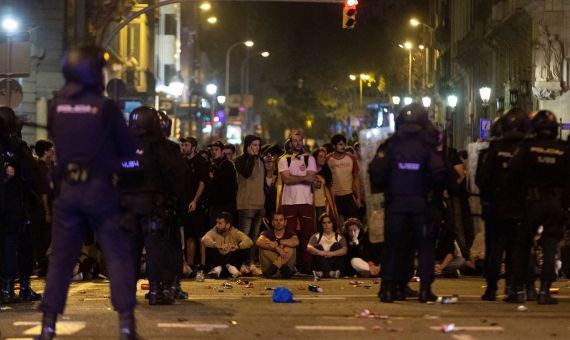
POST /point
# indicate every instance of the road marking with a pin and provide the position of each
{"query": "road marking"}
(214, 297)
(329, 328)
(322, 297)
(81, 287)
(199, 327)
(62, 327)
(472, 328)
(463, 337)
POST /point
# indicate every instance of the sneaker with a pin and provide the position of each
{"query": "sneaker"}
(318, 274)
(244, 270)
(234, 272)
(286, 272)
(200, 276)
(334, 274)
(255, 271)
(215, 272)
(271, 271)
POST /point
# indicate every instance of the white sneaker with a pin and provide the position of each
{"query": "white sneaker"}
(318, 274)
(255, 271)
(244, 270)
(234, 272)
(215, 272)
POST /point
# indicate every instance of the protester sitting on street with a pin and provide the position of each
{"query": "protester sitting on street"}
(448, 260)
(277, 249)
(362, 257)
(226, 247)
(328, 248)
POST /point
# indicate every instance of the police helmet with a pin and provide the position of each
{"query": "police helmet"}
(544, 123)
(84, 65)
(412, 114)
(8, 122)
(144, 120)
(515, 120)
(165, 123)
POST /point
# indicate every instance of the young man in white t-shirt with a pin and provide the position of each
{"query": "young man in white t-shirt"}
(345, 184)
(298, 171)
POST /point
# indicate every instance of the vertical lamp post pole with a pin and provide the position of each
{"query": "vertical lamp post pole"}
(451, 103)
(212, 89)
(247, 43)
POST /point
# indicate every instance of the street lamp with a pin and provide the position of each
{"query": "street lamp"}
(408, 100)
(452, 103)
(361, 77)
(426, 101)
(244, 79)
(10, 24)
(212, 20)
(205, 6)
(352, 77)
(247, 43)
(212, 89)
(395, 100)
(221, 100)
(485, 93)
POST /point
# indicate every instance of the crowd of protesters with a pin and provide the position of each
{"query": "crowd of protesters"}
(272, 210)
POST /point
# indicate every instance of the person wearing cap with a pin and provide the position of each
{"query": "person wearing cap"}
(195, 219)
(250, 195)
(222, 189)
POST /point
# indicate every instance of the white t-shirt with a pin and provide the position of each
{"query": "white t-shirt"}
(300, 193)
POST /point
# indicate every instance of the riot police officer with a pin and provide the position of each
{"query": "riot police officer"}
(409, 168)
(504, 217)
(90, 134)
(19, 188)
(541, 165)
(179, 203)
(146, 182)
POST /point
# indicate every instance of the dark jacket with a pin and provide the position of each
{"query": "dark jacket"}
(223, 186)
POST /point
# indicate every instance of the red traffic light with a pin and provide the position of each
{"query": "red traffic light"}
(351, 2)
(349, 15)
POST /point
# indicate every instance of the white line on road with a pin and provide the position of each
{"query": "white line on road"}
(472, 328)
(63, 327)
(199, 327)
(329, 328)
(463, 337)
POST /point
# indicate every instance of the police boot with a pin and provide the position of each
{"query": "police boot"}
(155, 296)
(426, 294)
(386, 293)
(127, 326)
(179, 294)
(515, 295)
(48, 326)
(400, 292)
(544, 297)
(490, 294)
(26, 291)
(168, 294)
(409, 292)
(7, 294)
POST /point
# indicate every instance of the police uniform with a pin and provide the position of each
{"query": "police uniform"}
(90, 135)
(410, 168)
(541, 166)
(16, 212)
(147, 184)
(503, 224)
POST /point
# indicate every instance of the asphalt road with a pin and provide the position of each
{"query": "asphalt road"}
(239, 312)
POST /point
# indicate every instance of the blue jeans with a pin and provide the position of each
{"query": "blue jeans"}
(249, 224)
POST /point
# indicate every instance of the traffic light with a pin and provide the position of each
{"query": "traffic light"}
(349, 14)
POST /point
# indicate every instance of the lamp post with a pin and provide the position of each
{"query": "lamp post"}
(485, 93)
(9, 25)
(245, 71)
(415, 23)
(212, 89)
(451, 103)
(247, 43)
(408, 100)
(361, 77)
